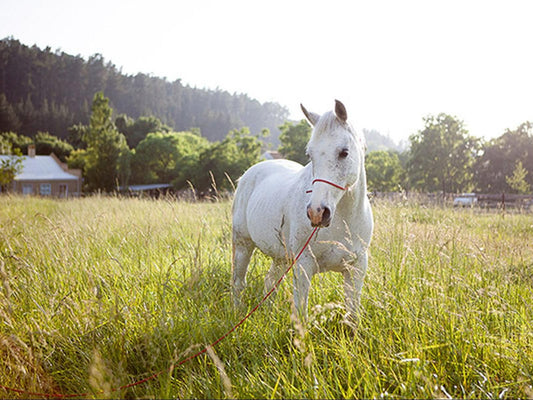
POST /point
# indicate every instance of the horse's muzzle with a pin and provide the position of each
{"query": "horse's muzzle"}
(320, 216)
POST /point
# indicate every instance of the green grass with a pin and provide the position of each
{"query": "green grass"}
(97, 293)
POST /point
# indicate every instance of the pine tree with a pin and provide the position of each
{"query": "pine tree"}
(105, 148)
(8, 118)
(517, 181)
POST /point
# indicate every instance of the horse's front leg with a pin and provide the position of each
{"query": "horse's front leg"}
(354, 274)
(276, 271)
(304, 270)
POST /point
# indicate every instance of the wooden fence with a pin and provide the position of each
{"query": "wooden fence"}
(491, 201)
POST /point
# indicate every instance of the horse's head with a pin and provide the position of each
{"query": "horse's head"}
(337, 158)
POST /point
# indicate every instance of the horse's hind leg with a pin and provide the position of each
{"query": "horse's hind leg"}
(242, 252)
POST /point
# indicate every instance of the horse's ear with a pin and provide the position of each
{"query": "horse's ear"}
(340, 111)
(311, 117)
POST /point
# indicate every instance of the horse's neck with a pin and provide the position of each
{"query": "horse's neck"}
(355, 197)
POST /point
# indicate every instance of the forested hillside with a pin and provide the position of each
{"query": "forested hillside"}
(49, 91)
(121, 129)
(375, 141)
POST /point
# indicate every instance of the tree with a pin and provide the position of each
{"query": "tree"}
(500, 156)
(517, 182)
(5, 145)
(222, 163)
(9, 121)
(135, 131)
(161, 156)
(15, 143)
(384, 171)
(77, 159)
(124, 161)
(294, 139)
(105, 147)
(76, 134)
(10, 167)
(442, 155)
(45, 144)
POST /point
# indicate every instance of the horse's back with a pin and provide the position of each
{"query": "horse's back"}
(261, 174)
(264, 169)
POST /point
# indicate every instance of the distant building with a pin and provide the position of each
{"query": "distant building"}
(271, 155)
(152, 190)
(45, 176)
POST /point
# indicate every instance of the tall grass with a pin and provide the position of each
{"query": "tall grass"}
(97, 293)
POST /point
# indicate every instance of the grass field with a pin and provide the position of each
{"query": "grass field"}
(97, 293)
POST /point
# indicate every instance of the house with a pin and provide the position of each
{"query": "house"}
(152, 190)
(45, 176)
(271, 155)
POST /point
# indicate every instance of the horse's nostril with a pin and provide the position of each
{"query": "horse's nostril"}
(326, 215)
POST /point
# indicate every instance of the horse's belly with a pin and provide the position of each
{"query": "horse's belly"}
(267, 225)
(334, 250)
(334, 258)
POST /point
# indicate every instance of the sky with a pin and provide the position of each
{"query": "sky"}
(391, 63)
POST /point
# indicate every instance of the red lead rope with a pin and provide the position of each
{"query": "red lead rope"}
(220, 339)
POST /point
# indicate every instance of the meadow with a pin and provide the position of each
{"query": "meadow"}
(100, 292)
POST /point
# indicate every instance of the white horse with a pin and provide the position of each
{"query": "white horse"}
(277, 203)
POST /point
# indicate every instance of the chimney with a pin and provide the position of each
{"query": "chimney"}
(31, 151)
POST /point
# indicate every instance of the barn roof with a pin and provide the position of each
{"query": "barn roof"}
(154, 186)
(41, 168)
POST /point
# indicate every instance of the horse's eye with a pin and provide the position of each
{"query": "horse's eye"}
(343, 153)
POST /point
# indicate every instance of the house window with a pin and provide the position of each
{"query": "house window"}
(45, 189)
(63, 190)
(27, 188)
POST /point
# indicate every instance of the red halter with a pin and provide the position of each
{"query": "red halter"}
(328, 182)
